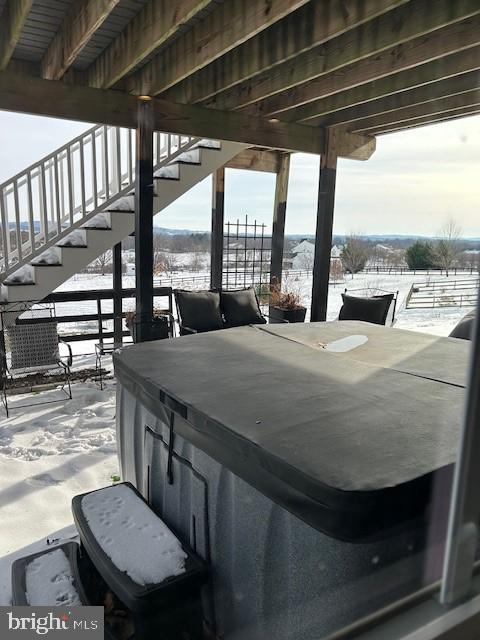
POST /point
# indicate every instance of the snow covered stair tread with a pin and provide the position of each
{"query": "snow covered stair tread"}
(47, 578)
(133, 537)
(133, 549)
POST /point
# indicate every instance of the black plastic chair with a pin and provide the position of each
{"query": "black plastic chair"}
(368, 308)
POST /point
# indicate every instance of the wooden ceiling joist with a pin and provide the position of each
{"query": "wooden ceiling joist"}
(446, 116)
(157, 22)
(418, 96)
(411, 113)
(228, 26)
(422, 75)
(12, 19)
(309, 26)
(300, 80)
(256, 160)
(292, 104)
(82, 20)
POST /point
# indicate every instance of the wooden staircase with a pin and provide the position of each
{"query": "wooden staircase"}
(64, 211)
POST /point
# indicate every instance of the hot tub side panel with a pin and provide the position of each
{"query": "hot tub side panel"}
(272, 574)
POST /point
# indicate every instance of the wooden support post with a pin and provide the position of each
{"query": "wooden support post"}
(144, 221)
(324, 231)
(278, 228)
(117, 294)
(218, 210)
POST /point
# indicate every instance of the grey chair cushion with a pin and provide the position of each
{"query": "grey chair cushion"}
(464, 328)
(240, 308)
(199, 310)
(374, 309)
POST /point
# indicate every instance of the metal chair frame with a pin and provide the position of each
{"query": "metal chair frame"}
(8, 373)
(381, 291)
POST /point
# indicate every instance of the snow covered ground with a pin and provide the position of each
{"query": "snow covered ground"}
(51, 452)
(48, 454)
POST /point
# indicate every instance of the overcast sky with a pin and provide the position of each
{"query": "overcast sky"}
(414, 182)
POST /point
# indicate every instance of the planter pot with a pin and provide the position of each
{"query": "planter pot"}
(278, 314)
(158, 328)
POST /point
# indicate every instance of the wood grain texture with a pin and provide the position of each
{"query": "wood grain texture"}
(79, 25)
(372, 46)
(309, 26)
(228, 26)
(445, 116)
(445, 68)
(438, 45)
(12, 19)
(218, 215)
(405, 115)
(418, 96)
(54, 98)
(256, 160)
(279, 215)
(154, 25)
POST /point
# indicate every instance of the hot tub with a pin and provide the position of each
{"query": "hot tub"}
(309, 464)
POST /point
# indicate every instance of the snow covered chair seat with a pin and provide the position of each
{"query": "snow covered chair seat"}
(48, 578)
(144, 563)
(33, 347)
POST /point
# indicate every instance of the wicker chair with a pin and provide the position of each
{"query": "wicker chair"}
(29, 348)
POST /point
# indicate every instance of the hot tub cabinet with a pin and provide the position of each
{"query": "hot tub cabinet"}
(313, 480)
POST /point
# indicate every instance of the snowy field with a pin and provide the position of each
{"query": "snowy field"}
(49, 453)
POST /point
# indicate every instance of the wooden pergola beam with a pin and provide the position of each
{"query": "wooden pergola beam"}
(420, 76)
(82, 20)
(153, 26)
(419, 96)
(470, 99)
(372, 45)
(56, 99)
(226, 27)
(310, 26)
(256, 160)
(12, 19)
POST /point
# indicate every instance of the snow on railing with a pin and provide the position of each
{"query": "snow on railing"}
(47, 201)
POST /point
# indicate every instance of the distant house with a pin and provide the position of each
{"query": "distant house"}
(304, 252)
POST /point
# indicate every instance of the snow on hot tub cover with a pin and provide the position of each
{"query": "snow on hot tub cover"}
(348, 441)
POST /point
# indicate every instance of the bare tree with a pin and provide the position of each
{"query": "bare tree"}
(336, 270)
(103, 264)
(448, 246)
(158, 256)
(305, 261)
(354, 254)
(197, 263)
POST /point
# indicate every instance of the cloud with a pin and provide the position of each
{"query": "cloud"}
(413, 182)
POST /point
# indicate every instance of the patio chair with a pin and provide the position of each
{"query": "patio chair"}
(31, 347)
(463, 330)
(372, 308)
(162, 327)
(210, 310)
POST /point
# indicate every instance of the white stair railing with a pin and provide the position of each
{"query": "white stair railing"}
(45, 202)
